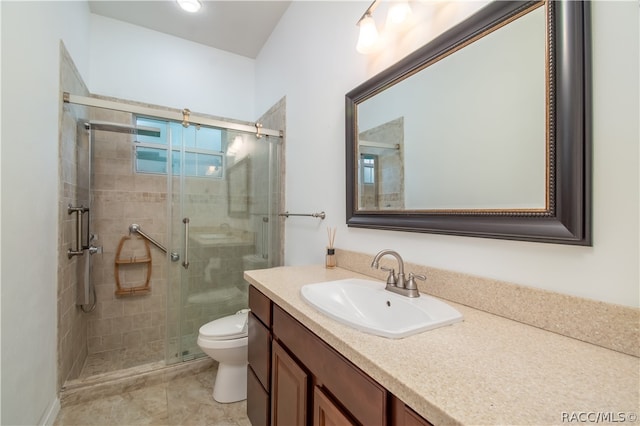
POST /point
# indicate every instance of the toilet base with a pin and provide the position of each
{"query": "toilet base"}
(231, 383)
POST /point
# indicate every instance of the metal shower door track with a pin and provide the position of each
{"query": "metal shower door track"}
(169, 115)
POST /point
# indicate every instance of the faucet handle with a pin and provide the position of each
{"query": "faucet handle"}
(391, 279)
(411, 283)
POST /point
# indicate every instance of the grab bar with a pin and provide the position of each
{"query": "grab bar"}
(135, 228)
(321, 215)
(79, 249)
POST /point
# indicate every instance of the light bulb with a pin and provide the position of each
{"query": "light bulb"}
(368, 35)
(190, 5)
(398, 12)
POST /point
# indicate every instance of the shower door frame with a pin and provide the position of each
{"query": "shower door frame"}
(185, 116)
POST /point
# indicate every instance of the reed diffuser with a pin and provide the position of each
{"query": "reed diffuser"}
(330, 259)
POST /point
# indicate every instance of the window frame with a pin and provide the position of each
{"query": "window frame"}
(171, 150)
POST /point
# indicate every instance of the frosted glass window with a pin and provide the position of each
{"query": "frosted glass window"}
(202, 155)
(198, 137)
(151, 160)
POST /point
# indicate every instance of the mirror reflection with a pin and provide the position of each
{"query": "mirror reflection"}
(468, 132)
(482, 132)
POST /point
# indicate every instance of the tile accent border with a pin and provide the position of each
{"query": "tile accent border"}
(611, 326)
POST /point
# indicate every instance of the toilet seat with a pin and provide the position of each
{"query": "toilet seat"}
(226, 328)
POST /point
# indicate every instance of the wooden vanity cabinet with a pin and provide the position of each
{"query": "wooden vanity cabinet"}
(295, 378)
(353, 391)
(289, 386)
(259, 357)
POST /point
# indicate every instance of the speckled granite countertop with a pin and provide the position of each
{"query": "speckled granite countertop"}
(487, 370)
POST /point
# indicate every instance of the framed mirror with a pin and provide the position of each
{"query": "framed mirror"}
(484, 131)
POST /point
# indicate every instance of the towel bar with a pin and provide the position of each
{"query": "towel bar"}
(321, 215)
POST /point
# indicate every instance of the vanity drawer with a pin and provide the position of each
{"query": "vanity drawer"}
(360, 395)
(260, 305)
(259, 350)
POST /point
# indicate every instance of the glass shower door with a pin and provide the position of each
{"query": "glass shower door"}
(222, 223)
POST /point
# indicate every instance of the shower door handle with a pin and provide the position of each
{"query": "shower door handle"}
(185, 262)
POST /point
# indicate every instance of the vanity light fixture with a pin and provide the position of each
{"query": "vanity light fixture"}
(368, 34)
(368, 31)
(398, 12)
(368, 38)
(190, 5)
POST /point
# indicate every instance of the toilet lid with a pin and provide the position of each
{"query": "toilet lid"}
(229, 327)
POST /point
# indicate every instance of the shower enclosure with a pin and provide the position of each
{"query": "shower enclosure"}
(223, 221)
(174, 213)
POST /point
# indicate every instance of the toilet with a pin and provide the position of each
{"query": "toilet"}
(225, 340)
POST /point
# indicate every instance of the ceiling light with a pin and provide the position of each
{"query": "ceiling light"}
(190, 5)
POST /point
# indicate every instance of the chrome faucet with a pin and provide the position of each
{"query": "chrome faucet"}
(397, 283)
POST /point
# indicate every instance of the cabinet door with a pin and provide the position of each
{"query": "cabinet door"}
(363, 398)
(411, 418)
(326, 413)
(401, 415)
(257, 401)
(289, 384)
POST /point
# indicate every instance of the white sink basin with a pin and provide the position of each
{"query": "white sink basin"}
(366, 306)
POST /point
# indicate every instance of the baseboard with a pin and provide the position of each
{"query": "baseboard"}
(51, 414)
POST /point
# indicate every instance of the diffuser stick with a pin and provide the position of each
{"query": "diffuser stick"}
(330, 259)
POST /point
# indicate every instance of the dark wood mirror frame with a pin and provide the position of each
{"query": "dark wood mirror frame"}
(568, 218)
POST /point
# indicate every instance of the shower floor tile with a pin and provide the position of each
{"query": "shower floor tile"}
(106, 362)
(184, 401)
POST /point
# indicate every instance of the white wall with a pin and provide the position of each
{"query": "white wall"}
(131, 62)
(31, 33)
(115, 59)
(311, 59)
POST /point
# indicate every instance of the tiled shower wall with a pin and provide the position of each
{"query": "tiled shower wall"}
(132, 325)
(276, 118)
(72, 326)
(119, 197)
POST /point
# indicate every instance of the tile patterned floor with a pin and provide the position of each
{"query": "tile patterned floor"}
(118, 359)
(184, 401)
